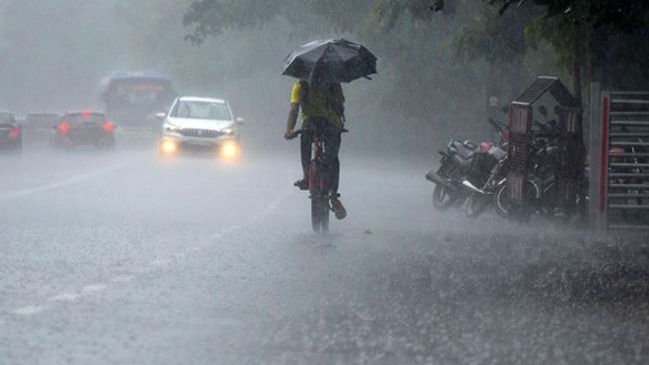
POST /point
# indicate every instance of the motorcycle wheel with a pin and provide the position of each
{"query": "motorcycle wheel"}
(443, 198)
(476, 205)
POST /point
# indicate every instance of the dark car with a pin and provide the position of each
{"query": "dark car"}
(84, 128)
(11, 137)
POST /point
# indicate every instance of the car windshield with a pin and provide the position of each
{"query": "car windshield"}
(136, 92)
(201, 110)
(84, 118)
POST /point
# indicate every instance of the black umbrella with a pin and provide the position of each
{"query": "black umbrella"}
(333, 60)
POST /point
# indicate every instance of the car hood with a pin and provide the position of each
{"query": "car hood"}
(215, 125)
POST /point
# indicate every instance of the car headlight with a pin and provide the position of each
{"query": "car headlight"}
(228, 131)
(230, 150)
(169, 147)
(171, 128)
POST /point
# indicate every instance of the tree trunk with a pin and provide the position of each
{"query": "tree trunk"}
(578, 48)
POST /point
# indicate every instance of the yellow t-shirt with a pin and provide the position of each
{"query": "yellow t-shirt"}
(318, 105)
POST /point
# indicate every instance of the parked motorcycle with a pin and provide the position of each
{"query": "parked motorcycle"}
(464, 162)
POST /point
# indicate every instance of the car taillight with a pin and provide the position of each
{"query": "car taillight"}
(64, 127)
(14, 133)
(108, 127)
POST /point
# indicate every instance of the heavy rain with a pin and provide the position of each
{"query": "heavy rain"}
(324, 182)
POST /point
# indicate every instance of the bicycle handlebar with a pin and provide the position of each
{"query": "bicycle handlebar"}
(294, 134)
(297, 132)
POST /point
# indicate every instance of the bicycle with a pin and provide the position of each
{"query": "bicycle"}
(319, 178)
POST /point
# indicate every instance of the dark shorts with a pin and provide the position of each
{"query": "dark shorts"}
(332, 146)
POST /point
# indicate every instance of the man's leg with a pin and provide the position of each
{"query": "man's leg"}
(333, 148)
(305, 155)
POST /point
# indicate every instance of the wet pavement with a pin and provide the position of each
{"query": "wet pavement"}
(122, 258)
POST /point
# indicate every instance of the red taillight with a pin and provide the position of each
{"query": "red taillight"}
(64, 127)
(108, 127)
(14, 133)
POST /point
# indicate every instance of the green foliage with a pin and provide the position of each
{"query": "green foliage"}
(618, 15)
(497, 38)
(212, 17)
(586, 34)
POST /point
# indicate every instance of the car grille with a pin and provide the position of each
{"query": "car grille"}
(201, 133)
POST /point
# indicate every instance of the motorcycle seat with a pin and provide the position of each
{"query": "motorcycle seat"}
(462, 150)
(463, 162)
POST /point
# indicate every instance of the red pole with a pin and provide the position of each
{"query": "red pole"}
(604, 160)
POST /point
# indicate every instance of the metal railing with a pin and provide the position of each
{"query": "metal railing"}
(619, 150)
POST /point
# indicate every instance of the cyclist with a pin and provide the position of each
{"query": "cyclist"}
(322, 106)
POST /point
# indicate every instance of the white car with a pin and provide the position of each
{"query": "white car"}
(200, 125)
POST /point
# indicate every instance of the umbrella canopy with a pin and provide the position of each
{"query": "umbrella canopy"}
(333, 60)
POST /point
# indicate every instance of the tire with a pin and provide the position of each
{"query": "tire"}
(547, 201)
(319, 202)
(476, 205)
(504, 206)
(443, 198)
(320, 215)
(315, 215)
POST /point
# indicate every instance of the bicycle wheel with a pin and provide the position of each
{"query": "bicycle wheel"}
(319, 200)
(320, 214)
(507, 209)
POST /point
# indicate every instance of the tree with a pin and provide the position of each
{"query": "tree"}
(212, 17)
(579, 28)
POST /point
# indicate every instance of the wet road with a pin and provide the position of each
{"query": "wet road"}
(124, 259)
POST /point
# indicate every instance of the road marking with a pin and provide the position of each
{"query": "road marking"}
(64, 297)
(141, 270)
(122, 279)
(29, 310)
(63, 183)
(93, 288)
(219, 234)
(270, 208)
(160, 262)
